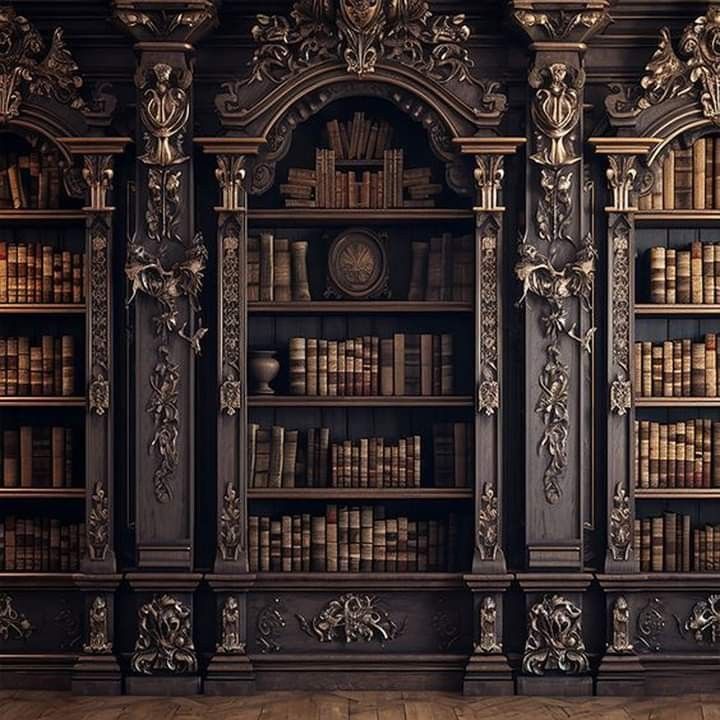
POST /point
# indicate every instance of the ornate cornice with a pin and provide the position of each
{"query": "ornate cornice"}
(559, 21)
(146, 20)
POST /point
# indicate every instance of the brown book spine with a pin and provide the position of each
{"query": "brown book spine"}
(696, 273)
(657, 275)
(669, 180)
(657, 549)
(671, 276)
(698, 151)
(684, 294)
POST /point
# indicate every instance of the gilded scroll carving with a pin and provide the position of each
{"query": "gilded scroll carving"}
(27, 69)
(270, 624)
(230, 628)
(98, 633)
(13, 624)
(230, 174)
(489, 389)
(98, 526)
(621, 644)
(352, 617)
(703, 622)
(555, 640)
(487, 523)
(231, 387)
(488, 644)
(621, 524)
(649, 625)
(163, 24)
(230, 535)
(621, 388)
(99, 389)
(164, 642)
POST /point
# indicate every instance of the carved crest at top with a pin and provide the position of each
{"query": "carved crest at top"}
(27, 68)
(668, 76)
(362, 33)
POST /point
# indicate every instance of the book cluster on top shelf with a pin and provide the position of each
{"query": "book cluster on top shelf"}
(39, 544)
(404, 365)
(353, 539)
(32, 179)
(685, 276)
(42, 369)
(359, 142)
(36, 457)
(687, 179)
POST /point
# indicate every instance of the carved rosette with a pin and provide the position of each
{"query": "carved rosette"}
(489, 389)
(13, 624)
(98, 634)
(621, 524)
(231, 387)
(230, 628)
(350, 618)
(487, 523)
(230, 534)
(27, 68)
(621, 644)
(99, 389)
(488, 644)
(98, 526)
(164, 642)
(555, 640)
(270, 624)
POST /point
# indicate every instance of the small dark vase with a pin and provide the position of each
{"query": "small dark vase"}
(264, 367)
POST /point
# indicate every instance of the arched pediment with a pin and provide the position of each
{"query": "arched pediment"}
(391, 49)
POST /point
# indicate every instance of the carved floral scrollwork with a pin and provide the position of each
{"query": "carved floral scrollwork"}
(231, 387)
(555, 640)
(703, 622)
(487, 523)
(99, 388)
(167, 286)
(621, 524)
(621, 644)
(12, 622)
(621, 175)
(98, 526)
(98, 173)
(350, 618)
(25, 67)
(561, 24)
(649, 624)
(164, 641)
(270, 623)
(489, 389)
(489, 175)
(98, 634)
(488, 644)
(230, 536)
(230, 628)
(164, 23)
(621, 387)
(230, 174)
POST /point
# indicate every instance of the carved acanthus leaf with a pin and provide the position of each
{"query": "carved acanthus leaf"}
(13, 623)
(621, 524)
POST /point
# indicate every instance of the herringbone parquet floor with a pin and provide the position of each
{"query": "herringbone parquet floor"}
(354, 706)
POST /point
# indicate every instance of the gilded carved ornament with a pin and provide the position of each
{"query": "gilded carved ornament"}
(561, 24)
(98, 632)
(621, 644)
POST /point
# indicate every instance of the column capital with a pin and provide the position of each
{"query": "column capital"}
(166, 20)
(568, 24)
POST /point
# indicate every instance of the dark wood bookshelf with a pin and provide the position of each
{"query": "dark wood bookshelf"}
(363, 580)
(301, 216)
(679, 309)
(362, 308)
(677, 217)
(42, 493)
(42, 309)
(41, 216)
(370, 401)
(677, 493)
(330, 493)
(40, 401)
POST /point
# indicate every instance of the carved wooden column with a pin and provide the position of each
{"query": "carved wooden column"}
(556, 268)
(165, 265)
(488, 670)
(230, 671)
(97, 670)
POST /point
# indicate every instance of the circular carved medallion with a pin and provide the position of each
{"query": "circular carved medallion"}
(357, 265)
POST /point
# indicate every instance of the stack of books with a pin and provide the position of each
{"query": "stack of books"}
(687, 179)
(667, 543)
(677, 368)
(685, 276)
(352, 539)
(443, 269)
(44, 369)
(453, 454)
(30, 180)
(360, 138)
(406, 364)
(36, 457)
(40, 544)
(277, 269)
(34, 273)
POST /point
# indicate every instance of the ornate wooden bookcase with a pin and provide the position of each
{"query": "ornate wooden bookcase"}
(52, 620)
(262, 115)
(658, 623)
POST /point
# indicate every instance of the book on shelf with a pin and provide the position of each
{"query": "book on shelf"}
(36, 457)
(686, 178)
(39, 544)
(688, 276)
(677, 368)
(405, 365)
(669, 543)
(352, 539)
(30, 180)
(443, 269)
(453, 454)
(276, 269)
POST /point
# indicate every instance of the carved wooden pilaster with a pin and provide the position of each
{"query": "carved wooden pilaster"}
(165, 266)
(556, 269)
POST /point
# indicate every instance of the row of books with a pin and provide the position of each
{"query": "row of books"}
(40, 544)
(392, 187)
(30, 180)
(685, 276)
(443, 269)
(677, 368)
(677, 455)
(352, 539)
(360, 138)
(45, 369)
(406, 364)
(687, 179)
(277, 269)
(668, 543)
(34, 273)
(36, 457)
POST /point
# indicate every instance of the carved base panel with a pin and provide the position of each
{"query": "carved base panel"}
(488, 675)
(165, 686)
(620, 675)
(229, 675)
(30, 671)
(555, 686)
(96, 675)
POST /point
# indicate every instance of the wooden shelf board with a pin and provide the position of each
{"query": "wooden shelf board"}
(298, 216)
(42, 493)
(25, 401)
(374, 401)
(366, 308)
(681, 402)
(330, 580)
(659, 309)
(42, 309)
(321, 493)
(677, 216)
(677, 493)
(35, 216)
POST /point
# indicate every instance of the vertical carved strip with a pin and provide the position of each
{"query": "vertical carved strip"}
(621, 387)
